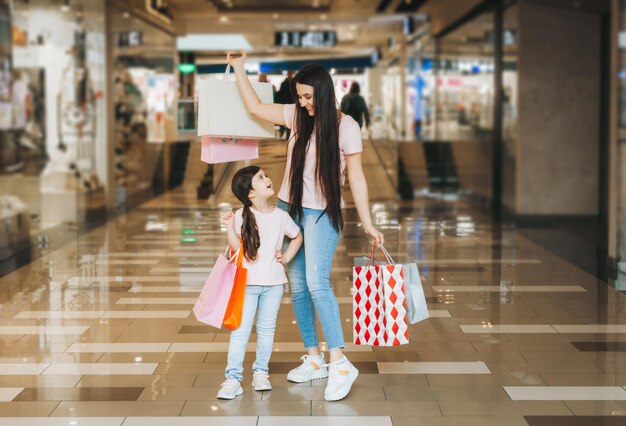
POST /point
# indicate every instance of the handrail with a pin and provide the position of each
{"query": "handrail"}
(222, 178)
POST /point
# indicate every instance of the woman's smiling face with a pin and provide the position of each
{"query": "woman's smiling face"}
(305, 97)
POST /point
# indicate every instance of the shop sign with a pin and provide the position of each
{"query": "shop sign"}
(129, 39)
(305, 38)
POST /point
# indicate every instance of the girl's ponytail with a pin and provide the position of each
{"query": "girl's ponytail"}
(241, 186)
(249, 233)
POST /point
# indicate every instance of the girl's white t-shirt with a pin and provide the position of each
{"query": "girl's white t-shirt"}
(350, 142)
(273, 227)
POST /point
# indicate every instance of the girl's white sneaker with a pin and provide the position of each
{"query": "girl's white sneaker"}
(261, 381)
(230, 389)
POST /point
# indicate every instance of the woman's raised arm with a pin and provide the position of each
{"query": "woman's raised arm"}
(268, 112)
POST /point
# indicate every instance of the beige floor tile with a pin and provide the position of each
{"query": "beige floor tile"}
(503, 408)
(26, 409)
(80, 394)
(61, 421)
(170, 380)
(189, 368)
(459, 421)
(597, 408)
(315, 393)
(325, 421)
(121, 408)
(247, 408)
(568, 379)
(278, 380)
(513, 378)
(444, 393)
(174, 358)
(192, 421)
(39, 381)
(194, 394)
(348, 407)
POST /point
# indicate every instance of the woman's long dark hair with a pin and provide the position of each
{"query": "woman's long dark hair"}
(325, 123)
(241, 186)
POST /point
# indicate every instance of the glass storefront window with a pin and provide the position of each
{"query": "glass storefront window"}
(146, 124)
(52, 112)
(620, 152)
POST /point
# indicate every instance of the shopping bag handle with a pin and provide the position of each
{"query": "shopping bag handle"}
(228, 253)
(387, 255)
(374, 260)
(226, 72)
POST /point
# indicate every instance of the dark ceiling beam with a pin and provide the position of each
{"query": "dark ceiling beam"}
(410, 6)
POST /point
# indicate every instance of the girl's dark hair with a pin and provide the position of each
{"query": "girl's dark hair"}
(325, 123)
(241, 186)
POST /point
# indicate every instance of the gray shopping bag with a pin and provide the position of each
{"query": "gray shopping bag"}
(415, 300)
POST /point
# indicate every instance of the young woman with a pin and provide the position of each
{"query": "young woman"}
(261, 228)
(323, 144)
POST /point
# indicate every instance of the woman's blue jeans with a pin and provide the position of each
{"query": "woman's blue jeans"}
(309, 277)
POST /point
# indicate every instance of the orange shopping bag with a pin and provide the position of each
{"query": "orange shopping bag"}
(232, 317)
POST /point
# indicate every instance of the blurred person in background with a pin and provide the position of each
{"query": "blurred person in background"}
(285, 96)
(354, 105)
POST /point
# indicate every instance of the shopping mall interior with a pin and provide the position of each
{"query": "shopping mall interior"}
(493, 138)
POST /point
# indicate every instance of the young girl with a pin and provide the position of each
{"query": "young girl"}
(261, 228)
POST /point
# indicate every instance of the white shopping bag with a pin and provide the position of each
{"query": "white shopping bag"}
(222, 112)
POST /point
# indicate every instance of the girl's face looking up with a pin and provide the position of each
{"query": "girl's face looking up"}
(262, 187)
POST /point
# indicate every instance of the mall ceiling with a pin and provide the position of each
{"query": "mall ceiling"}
(361, 26)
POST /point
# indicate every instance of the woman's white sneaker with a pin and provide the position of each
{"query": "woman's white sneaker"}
(341, 377)
(261, 381)
(312, 368)
(230, 389)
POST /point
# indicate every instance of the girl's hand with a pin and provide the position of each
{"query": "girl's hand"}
(228, 219)
(280, 258)
(377, 236)
(236, 62)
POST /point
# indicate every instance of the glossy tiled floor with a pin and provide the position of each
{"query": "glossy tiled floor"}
(99, 332)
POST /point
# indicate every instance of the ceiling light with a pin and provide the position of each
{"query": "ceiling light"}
(275, 16)
(126, 15)
(224, 19)
(65, 6)
(324, 17)
(313, 27)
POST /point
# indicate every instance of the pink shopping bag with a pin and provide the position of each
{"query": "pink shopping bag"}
(224, 150)
(213, 300)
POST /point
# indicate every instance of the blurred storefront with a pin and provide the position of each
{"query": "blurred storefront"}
(145, 90)
(53, 115)
(616, 157)
(88, 92)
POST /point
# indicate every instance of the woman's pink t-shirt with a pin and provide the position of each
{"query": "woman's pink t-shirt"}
(349, 143)
(273, 227)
